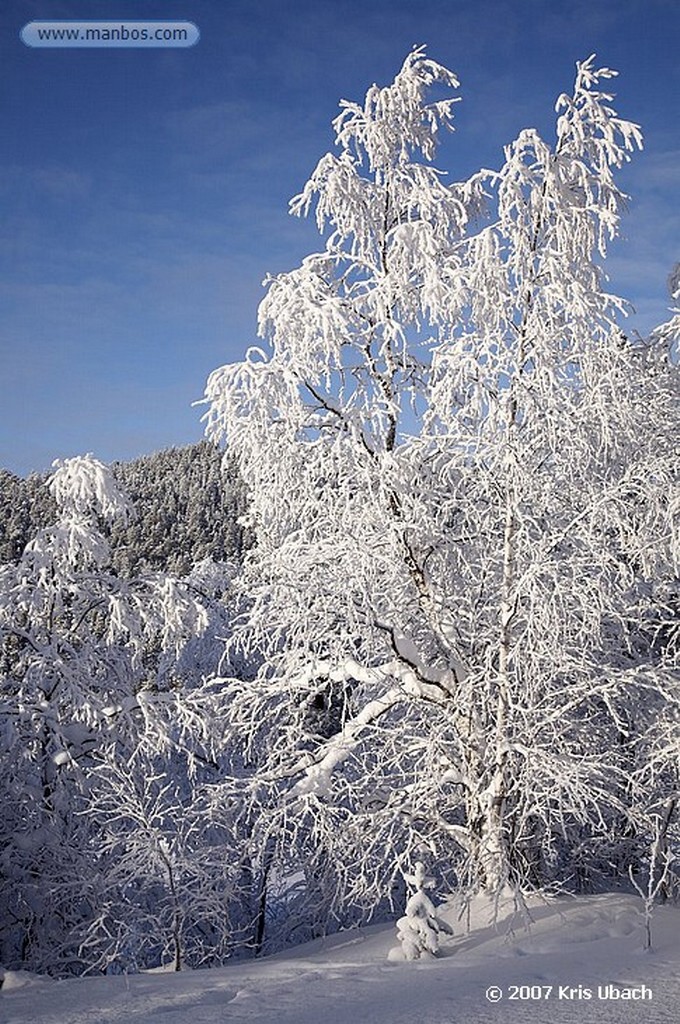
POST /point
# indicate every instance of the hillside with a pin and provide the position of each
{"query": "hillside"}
(580, 960)
(186, 506)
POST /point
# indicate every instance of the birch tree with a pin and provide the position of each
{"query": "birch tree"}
(88, 662)
(462, 478)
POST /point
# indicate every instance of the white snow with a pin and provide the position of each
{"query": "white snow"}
(575, 948)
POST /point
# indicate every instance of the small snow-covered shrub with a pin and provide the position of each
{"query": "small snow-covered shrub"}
(419, 929)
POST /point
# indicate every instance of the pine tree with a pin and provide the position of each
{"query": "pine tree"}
(419, 929)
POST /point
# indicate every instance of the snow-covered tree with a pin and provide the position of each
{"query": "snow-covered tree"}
(419, 929)
(462, 478)
(88, 660)
(167, 878)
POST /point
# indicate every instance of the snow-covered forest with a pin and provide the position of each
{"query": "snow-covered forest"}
(418, 636)
(186, 505)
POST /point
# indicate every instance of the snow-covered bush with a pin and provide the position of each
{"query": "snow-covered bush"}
(419, 929)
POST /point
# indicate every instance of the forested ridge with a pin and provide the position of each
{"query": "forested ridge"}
(186, 506)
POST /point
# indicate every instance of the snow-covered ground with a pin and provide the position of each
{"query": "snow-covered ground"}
(559, 970)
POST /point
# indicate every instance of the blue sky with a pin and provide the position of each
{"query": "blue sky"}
(144, 192)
